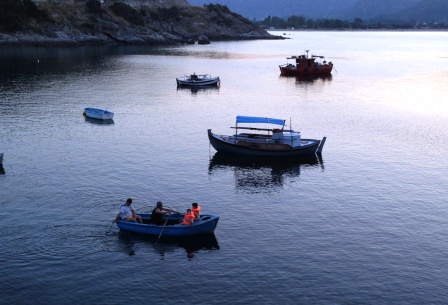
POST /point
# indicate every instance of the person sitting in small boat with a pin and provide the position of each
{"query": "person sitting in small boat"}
(196, 209)
(127, 213)
(188, 218)
(158, 212)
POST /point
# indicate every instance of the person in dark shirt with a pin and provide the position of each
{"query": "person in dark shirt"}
(158, 212)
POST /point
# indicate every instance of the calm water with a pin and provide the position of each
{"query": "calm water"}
(365, 224)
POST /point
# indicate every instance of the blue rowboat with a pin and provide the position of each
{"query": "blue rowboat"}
(99, 114)
(207, 224)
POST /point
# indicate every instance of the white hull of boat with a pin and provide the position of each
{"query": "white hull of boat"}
(202, 80)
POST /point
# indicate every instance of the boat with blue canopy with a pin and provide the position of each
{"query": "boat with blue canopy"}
(268, 141)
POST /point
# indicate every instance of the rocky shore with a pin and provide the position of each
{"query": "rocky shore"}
(136, 22)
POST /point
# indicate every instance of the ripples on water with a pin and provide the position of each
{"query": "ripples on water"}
(365, 223)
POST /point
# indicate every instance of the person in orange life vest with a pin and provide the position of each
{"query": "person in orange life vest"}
(188, 218)
(196, 209)
(127, 213)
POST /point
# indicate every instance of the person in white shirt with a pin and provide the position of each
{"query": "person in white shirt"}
(127, 213)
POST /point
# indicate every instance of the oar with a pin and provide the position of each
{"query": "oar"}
(162, 231)
(110, 228)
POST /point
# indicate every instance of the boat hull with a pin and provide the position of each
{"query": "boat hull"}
(286, 70)
(214, 81)
(99, 114)
(207, 224)
(220, 144)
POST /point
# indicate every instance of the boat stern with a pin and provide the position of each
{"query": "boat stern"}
(321, 145)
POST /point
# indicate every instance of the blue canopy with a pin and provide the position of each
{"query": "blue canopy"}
(252, 119)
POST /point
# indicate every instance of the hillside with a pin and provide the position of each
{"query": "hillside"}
(368, 9)
(260, 9)
(426, 11)
(431, 11)
(126, 22)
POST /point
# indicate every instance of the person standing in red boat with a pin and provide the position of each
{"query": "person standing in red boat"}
(127, 213)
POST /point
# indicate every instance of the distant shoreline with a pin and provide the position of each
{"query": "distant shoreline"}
(358, 30)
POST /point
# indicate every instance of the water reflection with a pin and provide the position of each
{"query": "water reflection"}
(262, 175)
(132, 244)
(35, 64)
(197, 89)
(310, 78)
(99, 122)
(2, 170)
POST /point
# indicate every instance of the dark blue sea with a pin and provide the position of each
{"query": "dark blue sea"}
(366, 223)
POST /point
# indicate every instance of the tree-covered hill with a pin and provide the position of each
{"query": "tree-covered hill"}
(392, 11)
(126, 21)
(426, 11)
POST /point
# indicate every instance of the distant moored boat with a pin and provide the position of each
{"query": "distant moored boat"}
(99, 114)
(305, 65)
(198, 80)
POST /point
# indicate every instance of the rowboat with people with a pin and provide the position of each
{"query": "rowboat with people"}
(172, 226)
(264, 142)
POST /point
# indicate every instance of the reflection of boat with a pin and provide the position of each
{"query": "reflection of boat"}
(172, 227)
(261, 174)
(305, 65)
(224, 160)
(191, 244)
(312, 78)
(196, 89)
(99, 122)
(264, 142)
(2, 170)
(197, 80)
(99, 114)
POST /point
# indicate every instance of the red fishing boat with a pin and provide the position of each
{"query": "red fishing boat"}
(305, 65)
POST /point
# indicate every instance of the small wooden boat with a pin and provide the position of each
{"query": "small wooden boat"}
(99, 114)
(305, 65)
(198, 80)
(264, 142)
(173, 228)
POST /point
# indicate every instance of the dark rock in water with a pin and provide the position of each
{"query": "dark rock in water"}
(203, 40)
(190, 41)
(2, 170)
